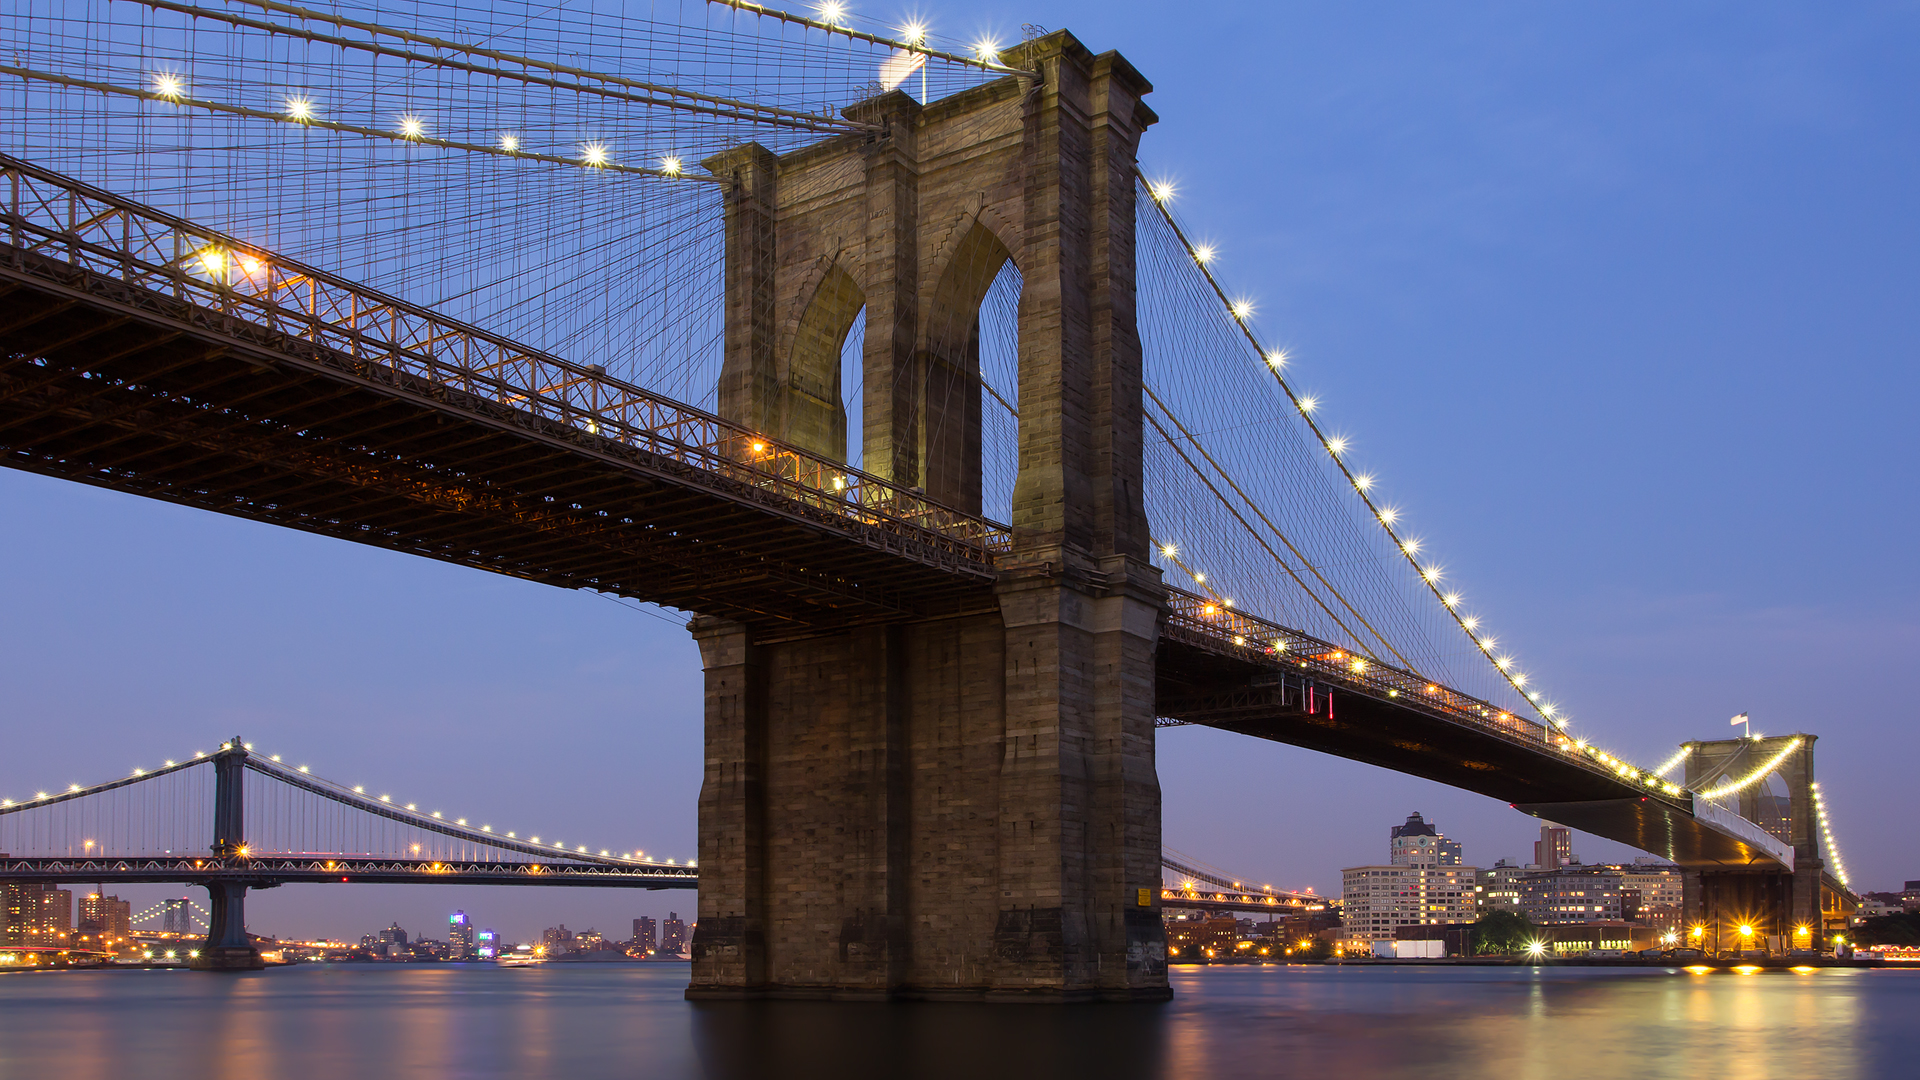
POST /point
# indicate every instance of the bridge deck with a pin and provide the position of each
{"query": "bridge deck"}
(141, 353)
(1217, 669)
(265, 872)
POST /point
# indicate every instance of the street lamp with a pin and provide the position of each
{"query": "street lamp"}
(1536, 949)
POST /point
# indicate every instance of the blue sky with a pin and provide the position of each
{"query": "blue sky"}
(1618, 301)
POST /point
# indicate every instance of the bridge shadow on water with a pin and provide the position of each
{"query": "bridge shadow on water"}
(907, 1039)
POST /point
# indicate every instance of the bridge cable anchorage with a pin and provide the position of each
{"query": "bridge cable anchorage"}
(986, 58)
(652, 94)
(1160, 196)
(419, 137)
(1381, 638)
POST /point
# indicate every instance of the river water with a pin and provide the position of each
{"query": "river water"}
(581, 1022)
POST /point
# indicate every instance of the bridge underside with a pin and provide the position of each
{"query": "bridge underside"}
(126, 388)
(1203, 687)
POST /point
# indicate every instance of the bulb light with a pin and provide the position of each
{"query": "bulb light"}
(1161, 191)
(510, 142)
(167, 85)
(593, 154)
(299, 109)
(1678, 757)
(412, 126)
(670, 165)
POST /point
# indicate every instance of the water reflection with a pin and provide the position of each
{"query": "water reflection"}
(616, 1020)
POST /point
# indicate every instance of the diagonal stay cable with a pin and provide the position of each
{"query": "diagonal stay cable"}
(1304, 561)
(1284, 565)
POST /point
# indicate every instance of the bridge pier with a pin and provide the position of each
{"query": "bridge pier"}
(227, 947)
(962, 802)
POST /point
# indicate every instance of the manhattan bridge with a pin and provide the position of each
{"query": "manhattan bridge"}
(883, 356)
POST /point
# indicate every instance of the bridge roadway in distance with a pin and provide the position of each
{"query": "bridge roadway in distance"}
(268, 871)
(142, 353)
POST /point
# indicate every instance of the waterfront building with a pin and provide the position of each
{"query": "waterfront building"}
(392, 942)
(56, 915)
(106, 922)
(1377, 900)
(34, 914)
(459, 936)
(1572, 894)
(19, 914)
(1554, 849)
(557, 940)
(1497, 888)
(673, 934)
(1202, 936)
(646, 937)
(1423, 884)
(1652, 893)
(487, 946)
(1418, 843)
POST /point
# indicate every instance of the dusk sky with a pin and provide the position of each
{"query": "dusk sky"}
(1618, 301)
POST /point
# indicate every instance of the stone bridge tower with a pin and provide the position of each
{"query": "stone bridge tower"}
(967, 805)
(1776, 904)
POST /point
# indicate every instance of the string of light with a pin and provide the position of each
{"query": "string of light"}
(1758, 774)
(408, 127)
(833, 18)
(434, 820)
(1829, 846)
(1241, 311)
(1679, 756)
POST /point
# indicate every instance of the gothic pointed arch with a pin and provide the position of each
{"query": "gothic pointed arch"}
(813, 415)
(949, 395)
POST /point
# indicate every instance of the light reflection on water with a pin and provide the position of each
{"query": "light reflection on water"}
(621, 1020)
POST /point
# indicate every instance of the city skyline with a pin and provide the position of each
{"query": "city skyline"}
(1703, 286)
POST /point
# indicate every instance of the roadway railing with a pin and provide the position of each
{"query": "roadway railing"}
(53, 216)
(1218, 628)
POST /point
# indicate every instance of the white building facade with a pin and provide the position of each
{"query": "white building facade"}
(1424, 884)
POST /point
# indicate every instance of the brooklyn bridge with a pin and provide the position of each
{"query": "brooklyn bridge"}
(886, 360)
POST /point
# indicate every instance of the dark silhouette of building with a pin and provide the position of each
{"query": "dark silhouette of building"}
(106, 923)
(645, 937)
(673, 934)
